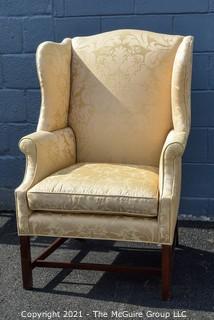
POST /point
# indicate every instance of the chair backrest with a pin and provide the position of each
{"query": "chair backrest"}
(120, 102)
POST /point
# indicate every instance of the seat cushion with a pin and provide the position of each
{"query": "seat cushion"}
(98, 188)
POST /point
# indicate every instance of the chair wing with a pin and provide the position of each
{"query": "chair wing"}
(53, 67)
(174, 146)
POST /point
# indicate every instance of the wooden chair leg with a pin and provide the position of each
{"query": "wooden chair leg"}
(166, 271)
(26, 262)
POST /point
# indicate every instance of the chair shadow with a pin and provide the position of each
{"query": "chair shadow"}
(192, 279)
(193, 276)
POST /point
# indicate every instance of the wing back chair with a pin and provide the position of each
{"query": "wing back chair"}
(105, 161)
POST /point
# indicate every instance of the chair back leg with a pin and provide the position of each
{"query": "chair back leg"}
(26, 262)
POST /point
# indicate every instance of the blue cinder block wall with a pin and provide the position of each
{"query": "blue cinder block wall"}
(26, 23)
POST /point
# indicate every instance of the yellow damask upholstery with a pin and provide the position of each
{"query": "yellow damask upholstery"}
(97, 226)
(121, 91)
(105, 161)
(98, 188)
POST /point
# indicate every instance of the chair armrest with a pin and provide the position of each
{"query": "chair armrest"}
(173, 148)
(46, 152)
(170, 183)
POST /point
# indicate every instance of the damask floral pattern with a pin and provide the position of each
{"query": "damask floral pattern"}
(45, 153)
(129, 89)
(53, 66)
(94, 226)
(120, 92)
(99, 187)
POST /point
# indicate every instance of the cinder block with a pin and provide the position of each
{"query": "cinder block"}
(200, 26)
(211, 145)
(15, 132)
(20, 71)
(20, 97)
(211, 72)
(37, 30)
(26, 7)
(12, 106)
(1, 73)
(10, 35)
(211, 5)
(169, 6)
(11, 171)
(200, 71)
(152, 23)
(194, 206)
(33, 102)
(58, 8)
(7, 199)
(3, 9)
(203, 108)
(211, 207)
(97, 7)
(72, 27)
(4, 141)
(196, 150)
(198, 180)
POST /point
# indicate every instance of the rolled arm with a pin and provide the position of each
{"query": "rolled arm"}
(173, 148)
(170, 183)
(46, 152)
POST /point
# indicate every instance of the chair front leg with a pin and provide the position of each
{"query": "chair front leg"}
(166, 271)
(26, 262)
